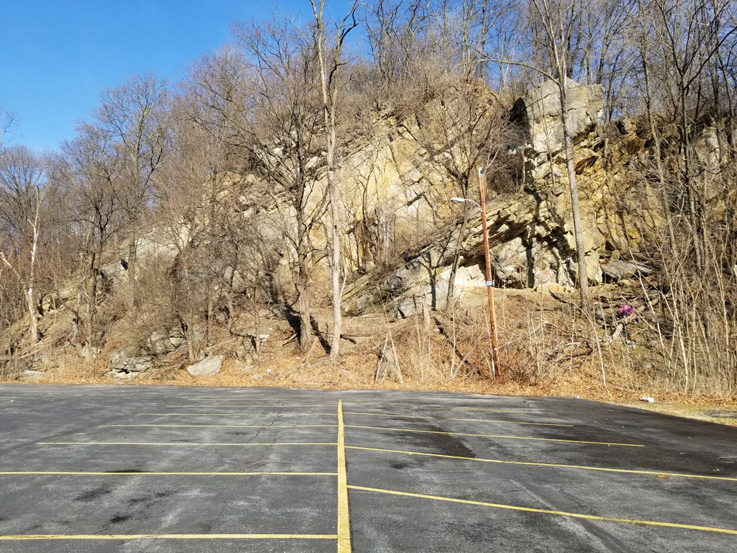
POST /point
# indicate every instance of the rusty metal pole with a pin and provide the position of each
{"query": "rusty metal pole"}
(489, 283)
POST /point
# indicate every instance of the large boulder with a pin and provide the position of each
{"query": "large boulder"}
(207, 367)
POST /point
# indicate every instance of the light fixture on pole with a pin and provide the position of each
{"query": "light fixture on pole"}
(489, 282)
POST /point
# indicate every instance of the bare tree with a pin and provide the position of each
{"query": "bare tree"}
(555, 26)
(689, 35)
(132, 117)
(395, 31)
(463, 127)
(6, 121)
(329, 81)
(21, 186)
(89, 168)
(281, 135)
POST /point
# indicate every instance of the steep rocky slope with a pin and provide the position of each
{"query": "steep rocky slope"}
(402, 237)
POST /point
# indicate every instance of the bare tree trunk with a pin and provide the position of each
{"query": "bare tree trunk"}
(583, 279)
(456, 260)
(30, 292)
(656, 143)
(694, 207)
(336, 262)
(328, 80)
(303, 292)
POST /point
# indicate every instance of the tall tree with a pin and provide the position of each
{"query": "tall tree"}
(330, 85)
(89, 167)
(21, 186)
(281, 136)
(556, 30)
(132, 117)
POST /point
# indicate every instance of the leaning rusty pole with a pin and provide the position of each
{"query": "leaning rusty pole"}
(489, 282)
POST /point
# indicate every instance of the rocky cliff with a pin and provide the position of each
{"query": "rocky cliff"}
(403, 234)
(531, 232)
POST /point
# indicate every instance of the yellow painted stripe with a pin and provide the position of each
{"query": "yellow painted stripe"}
(444, 408)
(344, 520)
(246, 400)
(219, 425)
(491, 410)
(79, 473)
(491, 436)
(97, 537)
(258, 405)
(278, 409)
(453, 419)
(550, 465)
(238, 414)
(548, 511)
(196, 444)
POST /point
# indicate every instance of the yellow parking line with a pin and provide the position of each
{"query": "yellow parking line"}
(489, 409)
(97, 537)
(258, 404)
(491, 435)
(550, 465)
(247, 400)
(195, 444)
(277, 408)
(134, 473)
(231, 414)
(344, 520)
(437, 406)
(454, 419)
(547, 511)
(219, 425)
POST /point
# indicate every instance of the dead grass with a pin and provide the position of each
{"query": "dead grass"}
(547, 349)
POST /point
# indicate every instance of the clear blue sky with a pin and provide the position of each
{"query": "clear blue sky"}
(57, 56)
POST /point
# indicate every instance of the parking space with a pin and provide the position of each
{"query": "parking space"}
(177, 469)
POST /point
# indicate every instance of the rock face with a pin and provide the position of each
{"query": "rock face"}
(616, 269)
(531, 233)
(134, 359)
(207, 367)
(129, 361)
(539, 112)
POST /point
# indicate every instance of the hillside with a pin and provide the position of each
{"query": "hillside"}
(202, 234)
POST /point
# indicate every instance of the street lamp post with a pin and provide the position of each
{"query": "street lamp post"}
(489, 282)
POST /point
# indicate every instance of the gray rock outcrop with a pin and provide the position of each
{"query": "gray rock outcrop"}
(129, 361)
(539, 112)
(134, 359)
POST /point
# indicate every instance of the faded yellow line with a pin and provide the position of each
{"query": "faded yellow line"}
(237, 408)
(232, 414)
(257, 399)
(437, 406)
(550, 465)
(195, 444)
(491, 436)
(548, 511)
(97, 537)
(219, 425)
(344, 520)
(491, 410)
(134, 473)
(394, 415)
(259, 405)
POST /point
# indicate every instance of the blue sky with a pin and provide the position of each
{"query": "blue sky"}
(57, 56)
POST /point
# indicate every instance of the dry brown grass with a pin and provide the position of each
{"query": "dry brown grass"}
(547, 349)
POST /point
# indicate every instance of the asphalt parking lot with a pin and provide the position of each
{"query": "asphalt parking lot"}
(155, 469)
